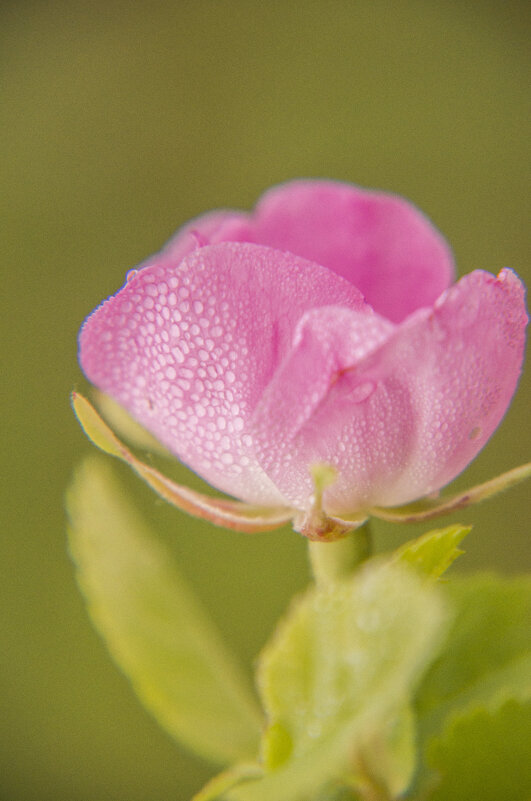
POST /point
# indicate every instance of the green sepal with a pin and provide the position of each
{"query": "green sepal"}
(434, 552)
(226, 512)
(121, 422)
(430, 508)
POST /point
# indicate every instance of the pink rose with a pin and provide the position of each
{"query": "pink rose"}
(321, 328)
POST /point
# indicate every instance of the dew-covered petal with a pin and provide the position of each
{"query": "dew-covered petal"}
(405, 419)
(320, 408)
(379, 242)
(188, 349)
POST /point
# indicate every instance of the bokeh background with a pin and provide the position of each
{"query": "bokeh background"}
(120, 122)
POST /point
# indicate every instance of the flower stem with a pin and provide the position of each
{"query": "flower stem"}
(332, 561)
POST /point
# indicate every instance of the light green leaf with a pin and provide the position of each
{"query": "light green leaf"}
(433, 553)
(486, 660)
(389, 759)
(484, 755)
(336, 792)
(153, 626)
(487, 647)
(339, 670)
(218, 786)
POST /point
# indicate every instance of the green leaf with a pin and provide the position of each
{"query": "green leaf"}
(433, 553)
(339, 671)
(485, 755)
(154, 627)
(218, 786)
(334, 791)
(486, 650)
(486, 660)
(389, 759)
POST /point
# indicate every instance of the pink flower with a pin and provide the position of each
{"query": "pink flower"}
(321, 328)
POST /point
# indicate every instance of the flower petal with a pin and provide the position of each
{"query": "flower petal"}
(220, 511)
(188, 349)
(379, 242)
(321, 408)
(208, 229)
(404, 420)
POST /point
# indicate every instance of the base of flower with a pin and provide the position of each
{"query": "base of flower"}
(315, 525)
(333, 560)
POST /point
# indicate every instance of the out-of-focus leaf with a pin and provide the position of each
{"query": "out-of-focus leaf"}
(336, 792)
(484, 754)
(153, 625)
(218, 786)
(486, 649)
(486, 659)
(339, 670)
(390, 759)
(433, 553)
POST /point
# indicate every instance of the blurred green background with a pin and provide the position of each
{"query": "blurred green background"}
(120, 122)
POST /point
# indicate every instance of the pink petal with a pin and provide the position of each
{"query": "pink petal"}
(379, 242)
(404, 418)
(189, 349)
(208, 229)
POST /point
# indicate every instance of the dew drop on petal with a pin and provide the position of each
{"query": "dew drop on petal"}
(362, 392)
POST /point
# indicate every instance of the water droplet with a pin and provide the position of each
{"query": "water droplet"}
(362, 392)
(465, 315)
(130, 275)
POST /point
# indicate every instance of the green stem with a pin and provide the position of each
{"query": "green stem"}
(332, 561)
